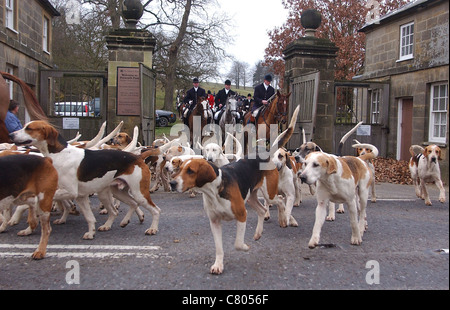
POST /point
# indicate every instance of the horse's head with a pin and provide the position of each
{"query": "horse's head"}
(203, 104)
(282, 107)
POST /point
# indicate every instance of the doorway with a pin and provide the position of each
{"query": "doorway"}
(405, 118)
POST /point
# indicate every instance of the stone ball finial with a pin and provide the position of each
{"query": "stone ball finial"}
(311, 20)
(132, 11)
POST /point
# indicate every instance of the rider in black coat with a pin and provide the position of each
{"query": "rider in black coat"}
(193, 94)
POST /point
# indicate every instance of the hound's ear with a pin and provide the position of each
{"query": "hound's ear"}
(438, 150)
(288, 161)
(129, 139)
(205, 174)
(51, 135)
(180, 149)
(332, 167)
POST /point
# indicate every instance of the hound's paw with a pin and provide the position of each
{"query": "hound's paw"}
(38, 255)
(293, 222)
(313, 242)
(151, 231)
(59, 222)
(88, 236)
(330, 218)
(104, 228)
(356, 240)
(242, 247)
(442, 200)
(217, 268)
(25, 232)
(124, 223)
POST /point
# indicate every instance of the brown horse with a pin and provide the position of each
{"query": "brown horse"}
(31, 103)
(200, 109)
(275, 113)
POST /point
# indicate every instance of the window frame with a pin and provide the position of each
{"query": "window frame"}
(432, 137)
(402, 43)
(10, 15)
(46, 34)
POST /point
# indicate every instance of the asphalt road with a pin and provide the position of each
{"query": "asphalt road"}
(400, 250)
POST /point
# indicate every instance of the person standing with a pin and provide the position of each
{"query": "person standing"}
(192, 95)
(12, 122)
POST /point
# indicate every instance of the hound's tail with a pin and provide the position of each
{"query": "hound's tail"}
(284, 137)
(345, 137)
(32, 104)
(368, 155)
(416, 150)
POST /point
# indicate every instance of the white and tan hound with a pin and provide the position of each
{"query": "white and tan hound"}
(342, 180)
(424, 167)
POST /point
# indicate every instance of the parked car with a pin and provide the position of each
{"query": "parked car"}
(164, 118)
(73, 109)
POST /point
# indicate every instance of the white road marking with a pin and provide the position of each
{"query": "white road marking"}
(83, 251)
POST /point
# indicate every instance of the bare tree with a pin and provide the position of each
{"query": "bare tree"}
(189, 44)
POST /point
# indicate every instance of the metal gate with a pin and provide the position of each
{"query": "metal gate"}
(75, 101)
(305, 90)
(148, 100)
(360, 101)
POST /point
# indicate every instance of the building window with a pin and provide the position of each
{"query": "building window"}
(438, 113)
(10, 16)
(10, 70)
(45, 34)
(406, 41)
(375, 95)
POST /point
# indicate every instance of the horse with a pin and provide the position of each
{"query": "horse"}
(200, 109)
(229, 115)
(31, 103)
(275, 113)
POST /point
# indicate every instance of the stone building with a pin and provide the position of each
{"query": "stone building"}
(409, 49)
(25, 41)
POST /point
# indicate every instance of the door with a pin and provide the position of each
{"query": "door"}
(148, 100)
(405, 128)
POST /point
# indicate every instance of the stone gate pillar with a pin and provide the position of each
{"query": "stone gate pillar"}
(127, 48)
(307, 55)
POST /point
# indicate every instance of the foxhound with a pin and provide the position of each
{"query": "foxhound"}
(30, 180)
(227, 189)
(83, 172)
(225, 192)
(424, 167)
(362, 149)
(342, 180)
(288, 184)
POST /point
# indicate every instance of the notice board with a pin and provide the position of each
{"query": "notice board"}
(128, 91)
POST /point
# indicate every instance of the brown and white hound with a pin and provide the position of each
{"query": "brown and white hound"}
(30, 180)
(83, 172)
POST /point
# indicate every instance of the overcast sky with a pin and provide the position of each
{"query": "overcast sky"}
(251, 19)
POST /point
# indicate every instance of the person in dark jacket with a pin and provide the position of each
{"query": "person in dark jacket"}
(221, 99)
(192, 95)
(262, 93)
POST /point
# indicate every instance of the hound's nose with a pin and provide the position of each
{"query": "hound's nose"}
(433, 159)
(303, 178)
(173, 185)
